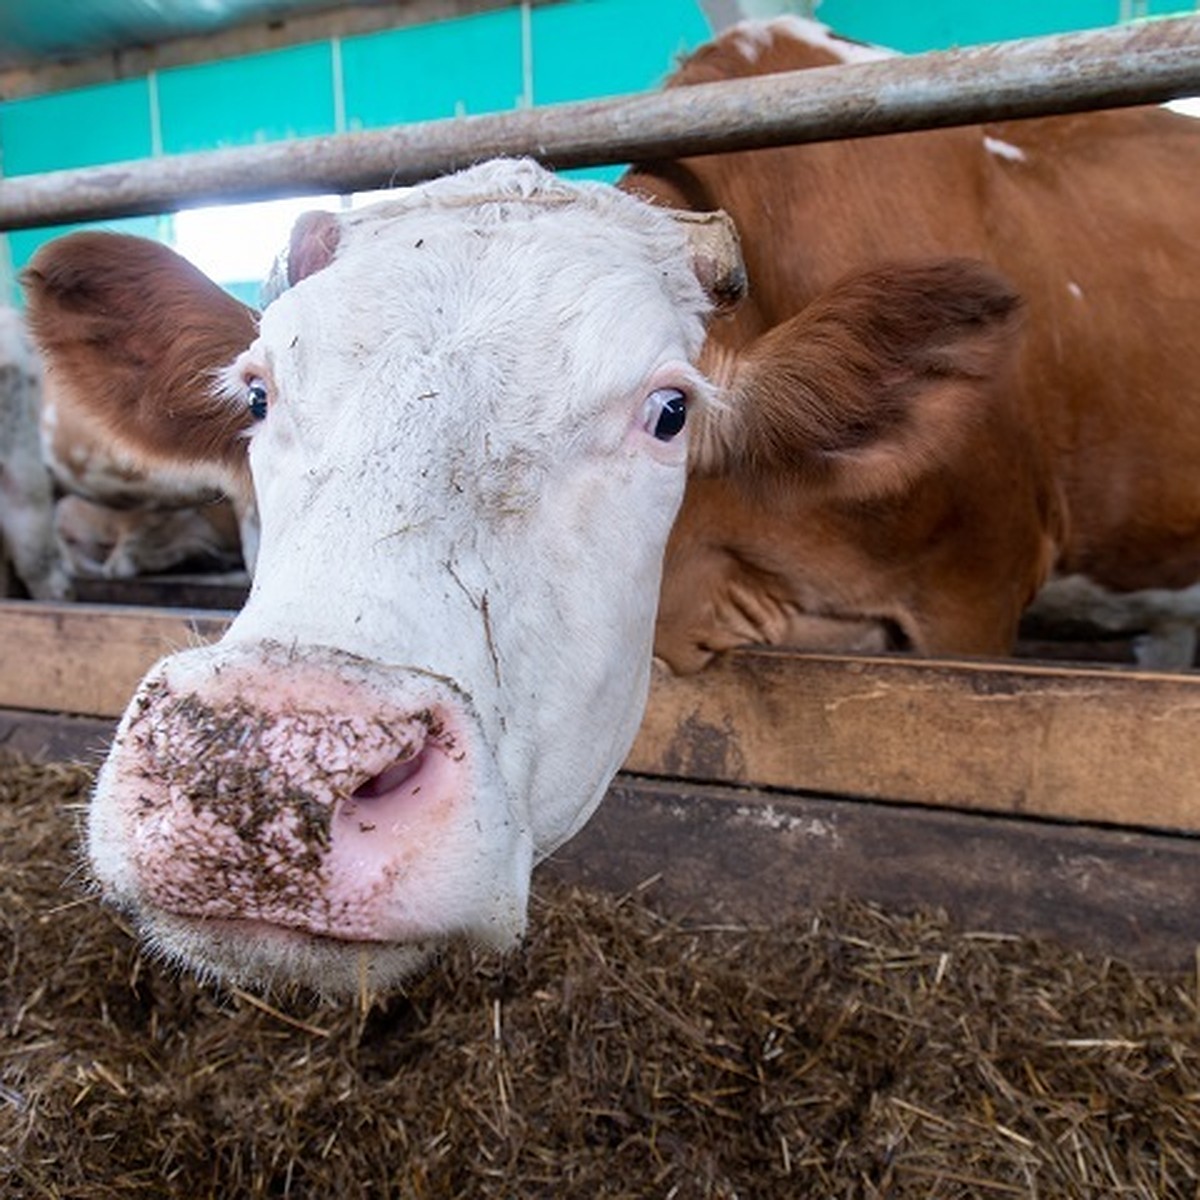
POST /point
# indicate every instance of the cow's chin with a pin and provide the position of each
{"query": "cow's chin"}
(265, 957)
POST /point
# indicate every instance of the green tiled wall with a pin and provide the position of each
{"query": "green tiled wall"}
(484, 63)
(76, 129)
(608, 47)
(573, 50)
(259, 98)
(455, 68)
(941, 24)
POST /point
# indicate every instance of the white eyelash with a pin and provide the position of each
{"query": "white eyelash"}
(229, 384)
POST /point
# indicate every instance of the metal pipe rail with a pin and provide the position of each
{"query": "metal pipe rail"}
(1141, 63)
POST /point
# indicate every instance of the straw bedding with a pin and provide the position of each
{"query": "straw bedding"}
(855, 1053)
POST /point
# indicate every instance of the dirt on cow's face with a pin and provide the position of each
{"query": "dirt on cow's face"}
(259, 814)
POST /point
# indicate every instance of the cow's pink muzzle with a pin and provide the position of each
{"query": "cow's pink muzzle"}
(309, 791)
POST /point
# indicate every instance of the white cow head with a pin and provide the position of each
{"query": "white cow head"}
(470, 453)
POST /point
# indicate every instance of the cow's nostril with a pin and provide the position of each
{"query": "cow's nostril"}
(390, 778)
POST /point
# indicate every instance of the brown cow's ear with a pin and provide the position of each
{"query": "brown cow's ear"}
(133, 336)
(877, 380)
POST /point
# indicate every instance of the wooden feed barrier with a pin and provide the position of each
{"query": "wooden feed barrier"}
(1020, 796)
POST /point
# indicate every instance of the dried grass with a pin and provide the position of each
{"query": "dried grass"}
(854, 1054)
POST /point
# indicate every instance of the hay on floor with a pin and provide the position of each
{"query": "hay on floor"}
(853, 1054)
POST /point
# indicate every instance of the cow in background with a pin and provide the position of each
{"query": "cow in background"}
(27, 541)
(918, 452)
(116, 519)
(121, 543)
(127, 512)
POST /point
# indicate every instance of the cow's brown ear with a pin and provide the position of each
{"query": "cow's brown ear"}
(133, 335)
(876, 381)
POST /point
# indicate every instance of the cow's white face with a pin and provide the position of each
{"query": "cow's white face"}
(466, 474)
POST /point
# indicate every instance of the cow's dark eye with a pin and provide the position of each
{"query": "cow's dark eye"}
(665, 413)
(256, 398)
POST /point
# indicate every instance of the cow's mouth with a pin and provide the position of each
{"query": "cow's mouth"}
(268, 934)
(263, 955)
(350, 820)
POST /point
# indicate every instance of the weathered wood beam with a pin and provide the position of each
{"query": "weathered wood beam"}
(1130, 64)
(1090, 744)
(1098, 744)
(737, 856)
(87, 659)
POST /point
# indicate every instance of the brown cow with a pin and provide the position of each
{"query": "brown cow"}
(961, 373)
(877, 499)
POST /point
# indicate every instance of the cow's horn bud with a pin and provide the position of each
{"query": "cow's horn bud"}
(716, 256)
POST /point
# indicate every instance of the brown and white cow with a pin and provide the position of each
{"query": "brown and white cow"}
(468, 447)
(121, 543)
(910, 477)
(472, 455)
(27, 540)
(127, 507)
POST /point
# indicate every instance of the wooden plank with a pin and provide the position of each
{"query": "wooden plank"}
(55, 737)
(1108, 745)
(225, 591)
(739, 856)
(87, 659)
(1098, 744)
(708, 853)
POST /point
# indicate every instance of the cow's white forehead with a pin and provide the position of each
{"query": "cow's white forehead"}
(596, 231)
(484, 189)
(560, 294)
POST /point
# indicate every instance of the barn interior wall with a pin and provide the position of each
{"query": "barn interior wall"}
(510, 58)
(943, 24)
(489, 61)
